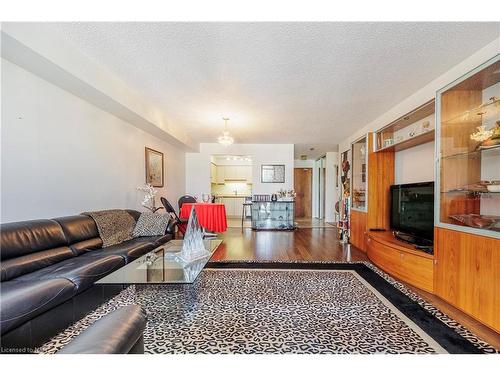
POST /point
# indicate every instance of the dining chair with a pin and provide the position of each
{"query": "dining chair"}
(181, 223)
(185, 199)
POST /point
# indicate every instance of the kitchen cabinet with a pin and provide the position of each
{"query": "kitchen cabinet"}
(229, 204)
(246, 173)
(231, 172)
(237, 173)
(238, 206)
(220, 174)
(213, 173)
(234, 205)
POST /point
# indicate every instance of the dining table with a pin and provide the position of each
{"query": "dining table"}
(211, 216)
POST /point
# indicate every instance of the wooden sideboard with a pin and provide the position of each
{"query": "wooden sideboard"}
(401, 260)
(467, 273)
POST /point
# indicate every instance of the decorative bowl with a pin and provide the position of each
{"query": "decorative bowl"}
(493, 188)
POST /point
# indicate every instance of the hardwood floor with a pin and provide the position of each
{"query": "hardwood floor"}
(301, 244)
(322, 244)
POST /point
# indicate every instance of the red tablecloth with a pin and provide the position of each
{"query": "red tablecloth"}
(211, 216)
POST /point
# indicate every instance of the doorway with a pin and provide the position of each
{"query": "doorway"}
(303, 189)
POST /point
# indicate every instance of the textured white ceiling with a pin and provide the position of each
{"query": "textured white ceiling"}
(301, 83)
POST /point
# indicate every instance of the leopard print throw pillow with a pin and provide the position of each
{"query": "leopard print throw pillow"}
(151, 224)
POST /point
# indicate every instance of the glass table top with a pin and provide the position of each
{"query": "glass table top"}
(162, 266)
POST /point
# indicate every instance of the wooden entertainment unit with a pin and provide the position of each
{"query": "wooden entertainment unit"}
(465, 268)
(401, 260)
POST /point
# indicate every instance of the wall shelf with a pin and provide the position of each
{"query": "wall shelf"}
(414, 128)
(411, 142)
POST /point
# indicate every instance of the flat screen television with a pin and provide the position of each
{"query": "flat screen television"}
(412, 212)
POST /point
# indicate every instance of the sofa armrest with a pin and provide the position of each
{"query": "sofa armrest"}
(119, 332)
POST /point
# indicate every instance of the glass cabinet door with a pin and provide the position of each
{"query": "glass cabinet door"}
(359, 176)
(468, 146)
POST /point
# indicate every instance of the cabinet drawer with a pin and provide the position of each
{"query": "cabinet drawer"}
(384, 257)
(417, 271)
(413, 269)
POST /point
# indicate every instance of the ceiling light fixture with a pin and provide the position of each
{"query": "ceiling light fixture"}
(225, 139)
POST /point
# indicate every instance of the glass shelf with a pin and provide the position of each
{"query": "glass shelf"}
(414, 128)
(470, 192)
(492, 151)
(489, 109)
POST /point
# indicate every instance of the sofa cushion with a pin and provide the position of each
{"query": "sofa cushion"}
(82, 271)
(128, 250)
(26, 237)
(24, 300)
(81, 233)
(30, 245)
(160, 240)
(83, 247)
(12, 268)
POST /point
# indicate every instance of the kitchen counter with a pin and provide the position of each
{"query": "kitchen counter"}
(233, 203)
(233, 196)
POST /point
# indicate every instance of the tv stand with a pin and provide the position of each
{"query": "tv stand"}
(420, 243)
(401, 259)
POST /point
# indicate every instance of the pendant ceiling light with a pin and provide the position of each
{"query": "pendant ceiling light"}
(225, 139)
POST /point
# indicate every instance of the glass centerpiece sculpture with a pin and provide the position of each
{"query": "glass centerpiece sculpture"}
(193, 247)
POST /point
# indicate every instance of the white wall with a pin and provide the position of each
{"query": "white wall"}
(62, 155)
(415, 164)
(40, 48)
(198, 165)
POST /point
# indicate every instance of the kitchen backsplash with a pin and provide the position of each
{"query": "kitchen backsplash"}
(230, 188)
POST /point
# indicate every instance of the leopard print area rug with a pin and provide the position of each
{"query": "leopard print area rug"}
(293, 307)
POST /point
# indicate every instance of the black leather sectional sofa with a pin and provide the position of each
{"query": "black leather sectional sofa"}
(119, 332)
(48, 271)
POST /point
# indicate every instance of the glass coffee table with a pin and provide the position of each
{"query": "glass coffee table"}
(162, 266)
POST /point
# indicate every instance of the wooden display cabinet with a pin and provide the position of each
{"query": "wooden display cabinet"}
(468, 160)
(359, 175)
(467, 218)
(359, 194)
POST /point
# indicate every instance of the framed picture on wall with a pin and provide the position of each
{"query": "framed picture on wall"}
(272, 173)
(154, 167)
